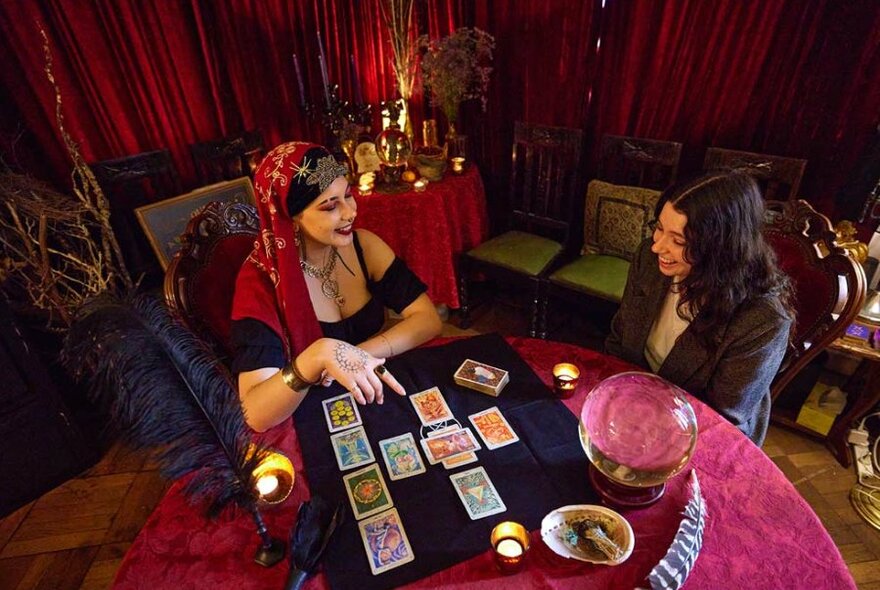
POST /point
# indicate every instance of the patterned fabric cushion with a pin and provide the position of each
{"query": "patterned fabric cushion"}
(603, 276)
(616, 218)
(519, 251)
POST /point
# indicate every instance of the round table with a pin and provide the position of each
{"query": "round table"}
(759, 532)
(430, 229)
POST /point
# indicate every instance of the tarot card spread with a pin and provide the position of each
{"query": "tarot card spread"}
(341, 412)
(352, 448)
(367, 491)
(477, 493)
(430, 406)
(445, 446)
(401, 456)
(493, 428)
(385, 541)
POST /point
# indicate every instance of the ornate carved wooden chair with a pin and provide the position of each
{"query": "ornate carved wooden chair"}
(633, 161)
(829, 285)
(200, 281)
(779, 177)
(543, 181)
(618, 207)
(228, 158)
(131, 182)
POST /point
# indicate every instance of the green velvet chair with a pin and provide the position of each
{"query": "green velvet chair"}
(616, 219)
(543, 184)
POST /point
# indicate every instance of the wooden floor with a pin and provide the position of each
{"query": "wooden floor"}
(76, 535)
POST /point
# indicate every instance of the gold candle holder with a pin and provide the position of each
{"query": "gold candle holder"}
(429, 132)
(510, 541)
(565, 379)
(274, 478)
(457, 164)
(365, 189)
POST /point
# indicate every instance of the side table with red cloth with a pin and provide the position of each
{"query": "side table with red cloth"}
(759, 532)
(430, 229)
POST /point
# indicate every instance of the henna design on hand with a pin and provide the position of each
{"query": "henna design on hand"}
(344, 354)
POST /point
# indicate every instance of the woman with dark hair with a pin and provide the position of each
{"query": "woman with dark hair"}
(310, 299)
(705, 305)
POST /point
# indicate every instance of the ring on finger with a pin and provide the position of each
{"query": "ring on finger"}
(380, 370)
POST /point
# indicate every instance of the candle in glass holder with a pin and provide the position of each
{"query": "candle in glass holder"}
(420, 185)
(457, 164)
(565, 379)
(510, 541)
(365, 189)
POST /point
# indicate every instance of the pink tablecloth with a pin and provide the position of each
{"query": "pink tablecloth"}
(760, 533)
(430, 229)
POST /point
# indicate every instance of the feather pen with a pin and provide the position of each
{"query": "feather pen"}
(165, 390)
(676, 565)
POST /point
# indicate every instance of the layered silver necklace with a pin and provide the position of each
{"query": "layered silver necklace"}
(329, 284)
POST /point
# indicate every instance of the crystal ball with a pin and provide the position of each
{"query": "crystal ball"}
(638, 429)
(393, 147)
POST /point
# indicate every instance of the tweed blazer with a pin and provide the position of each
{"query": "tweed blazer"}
(733, 377)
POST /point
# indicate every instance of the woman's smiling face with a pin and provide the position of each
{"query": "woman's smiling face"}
(669, 242)
(328, 219)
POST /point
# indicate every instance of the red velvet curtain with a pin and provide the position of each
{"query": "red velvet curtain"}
(784, 77)
(781, 76)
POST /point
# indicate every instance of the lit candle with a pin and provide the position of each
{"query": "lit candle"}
(356, 82)
(299, 82)
(565, 379)
(420, 185)
(509, 548)
(267, 484)
(457, 164)
(510, 541)
(365, 189)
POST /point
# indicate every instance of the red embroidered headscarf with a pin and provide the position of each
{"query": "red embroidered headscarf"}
(270, 285)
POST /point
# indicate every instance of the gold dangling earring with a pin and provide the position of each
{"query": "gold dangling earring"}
(297, 240)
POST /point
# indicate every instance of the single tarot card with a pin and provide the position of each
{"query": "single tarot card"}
(385, 541)
(352, 448)
(341, 413)
(479, 496)
(367, 491)
(401, 456)
(493, 428)
(431, 406)
(459, 460)
(446, 446)
(481, 374)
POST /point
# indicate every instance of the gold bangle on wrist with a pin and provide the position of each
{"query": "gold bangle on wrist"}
(293, 378)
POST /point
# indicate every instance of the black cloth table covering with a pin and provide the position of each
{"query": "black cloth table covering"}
(439, 529)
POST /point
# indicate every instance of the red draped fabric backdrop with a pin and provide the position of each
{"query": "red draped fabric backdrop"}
(781, 76)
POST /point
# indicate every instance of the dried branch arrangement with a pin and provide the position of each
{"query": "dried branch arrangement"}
(397, 15)
(57, 250)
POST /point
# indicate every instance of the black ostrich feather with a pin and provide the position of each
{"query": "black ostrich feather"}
(165, 390)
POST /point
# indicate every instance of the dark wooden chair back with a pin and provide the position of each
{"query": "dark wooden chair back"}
(829, 285)
(544, 178)
(200, 281)
(228, 158)
(131, 182)
(779, 177)
(633, 161)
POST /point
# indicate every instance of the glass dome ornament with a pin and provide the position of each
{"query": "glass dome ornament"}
(393, 148)
(638, 431)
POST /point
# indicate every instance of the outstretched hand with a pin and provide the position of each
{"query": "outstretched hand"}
(361, 373)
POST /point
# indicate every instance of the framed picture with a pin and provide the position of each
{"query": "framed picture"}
(165, 221)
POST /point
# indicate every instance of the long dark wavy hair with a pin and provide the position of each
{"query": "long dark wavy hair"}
(731, 263)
